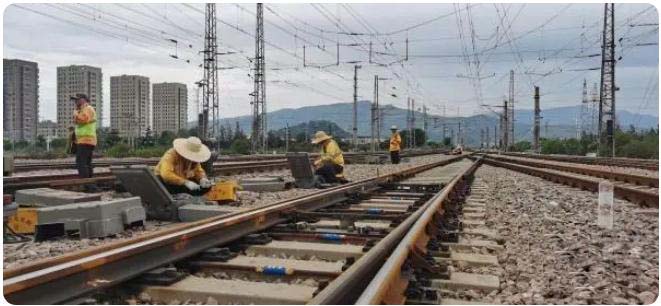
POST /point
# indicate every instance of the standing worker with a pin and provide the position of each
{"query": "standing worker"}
(395, 145)
(330, 165)
(84, 116)
(179, 169)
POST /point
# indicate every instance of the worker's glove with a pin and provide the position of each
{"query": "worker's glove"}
(192, 186)
(205, 183)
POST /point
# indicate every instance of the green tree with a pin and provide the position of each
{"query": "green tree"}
(240, 146)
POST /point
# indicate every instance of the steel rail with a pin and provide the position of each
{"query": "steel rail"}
(60, 279)
(347, 287)
(40, 165)
(647, 198)
(649, 164)
(618, 176)
(66, 180)
(388, 285)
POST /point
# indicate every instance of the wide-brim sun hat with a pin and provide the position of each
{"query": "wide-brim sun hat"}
(320, 136)
(192, 149)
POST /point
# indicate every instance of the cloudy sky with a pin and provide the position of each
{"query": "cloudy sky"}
(459, 55)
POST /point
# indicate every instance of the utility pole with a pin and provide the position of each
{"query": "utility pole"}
(460, 138)
(506, 128)
(495, 136)
(608, 88)
(535, 145)
(413, 123)
(210, 82)
(286, 137)
(586, 128)
(258, 137)
(354, 136)
(424, 120)
(510, 115)
(488, 136)
(373, 113)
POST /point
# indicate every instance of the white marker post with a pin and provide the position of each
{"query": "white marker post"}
(605, 209)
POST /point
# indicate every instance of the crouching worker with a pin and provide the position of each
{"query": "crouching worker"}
(330, 165)
(179, 169)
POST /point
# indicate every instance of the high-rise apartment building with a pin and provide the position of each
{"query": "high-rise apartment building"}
(170, 107)
(20, 100)
(129, 105)
(72, 80)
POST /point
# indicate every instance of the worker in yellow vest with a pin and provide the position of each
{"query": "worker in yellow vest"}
(330, 165)
(179, 169)
(84, 116)
(395, 145)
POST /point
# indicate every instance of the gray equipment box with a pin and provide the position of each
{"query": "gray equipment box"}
(140, 181)
(94, 219)
(52, 197)
(301, 169)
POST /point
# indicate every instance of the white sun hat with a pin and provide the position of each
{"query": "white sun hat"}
(192, 149)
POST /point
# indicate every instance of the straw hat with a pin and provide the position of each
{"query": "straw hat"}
(319, 137)
(192, 149)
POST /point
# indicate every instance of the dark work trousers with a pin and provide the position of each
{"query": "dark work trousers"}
(84, 160)
(329, 172)
(174, 189)
(394, 157)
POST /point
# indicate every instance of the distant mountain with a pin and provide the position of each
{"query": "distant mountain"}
(311, 127)
(557, 122)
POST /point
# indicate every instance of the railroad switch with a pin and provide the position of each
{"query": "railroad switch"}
(217, 254)
(163, 276)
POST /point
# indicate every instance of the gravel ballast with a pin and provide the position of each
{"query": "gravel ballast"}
(556, 254)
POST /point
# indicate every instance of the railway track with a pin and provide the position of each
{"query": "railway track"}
(647, 164)
(320, 248)
(22, 165)
(72, 181)
(643, 190)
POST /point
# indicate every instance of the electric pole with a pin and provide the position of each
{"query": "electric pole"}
(258, 137)
(210, 82)
(354, 136)
(374, 113)
(586, 128)
(535, 145)
(510, 115)
(495, 136)
(424, 120)
(286, 137)
(413, 123)
(608, 88)
(506, 128)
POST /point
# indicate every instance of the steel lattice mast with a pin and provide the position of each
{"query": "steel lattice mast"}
(607, 121)
(210, 82)
(259, 127)
(510, 115)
